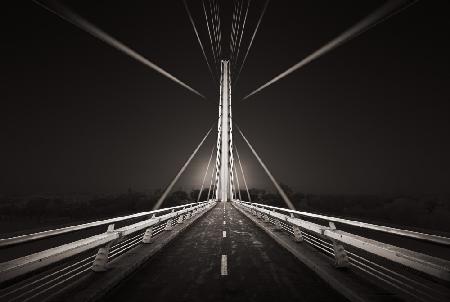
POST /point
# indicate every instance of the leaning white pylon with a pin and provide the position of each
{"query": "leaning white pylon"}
(224, 160)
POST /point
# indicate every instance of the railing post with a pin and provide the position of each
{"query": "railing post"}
(188, 214)
(147, 238)
(180, 218)
(258, 214)
(101, 259)
(298, 237)
(148, 235)
(277, 223)
(254, 212)
(169, 226)
(340, 255)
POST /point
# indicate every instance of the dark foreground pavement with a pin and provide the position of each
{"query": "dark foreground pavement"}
(192, 267)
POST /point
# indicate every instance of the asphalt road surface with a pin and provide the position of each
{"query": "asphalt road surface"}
(224, 257)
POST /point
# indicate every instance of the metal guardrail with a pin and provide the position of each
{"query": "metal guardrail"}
(24, 265)
(390, 230)
(4, 242)
(432, 266)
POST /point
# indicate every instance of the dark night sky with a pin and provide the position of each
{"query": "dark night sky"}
(372, 116)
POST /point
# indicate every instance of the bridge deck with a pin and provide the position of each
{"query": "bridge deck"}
(190, 269)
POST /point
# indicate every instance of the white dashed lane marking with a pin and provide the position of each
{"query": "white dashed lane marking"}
(224, 264)
(223, 268)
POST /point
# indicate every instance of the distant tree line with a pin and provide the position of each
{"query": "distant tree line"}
(424, 211)
(50, 208)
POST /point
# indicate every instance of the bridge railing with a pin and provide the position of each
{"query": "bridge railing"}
(16, 240)
(152, 226)
(368, 255)
(364, 225)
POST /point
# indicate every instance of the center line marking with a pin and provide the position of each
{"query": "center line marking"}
(223, 268)
(224, 233)
(224, 222)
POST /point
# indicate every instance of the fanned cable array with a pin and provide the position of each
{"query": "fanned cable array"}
(261, 15)
(71, 17)
(389, 9)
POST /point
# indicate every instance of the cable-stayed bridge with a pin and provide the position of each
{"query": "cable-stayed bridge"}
(227, 247)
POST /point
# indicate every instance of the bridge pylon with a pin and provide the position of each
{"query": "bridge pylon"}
(224, 160)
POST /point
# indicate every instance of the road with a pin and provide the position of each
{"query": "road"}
(224, 257)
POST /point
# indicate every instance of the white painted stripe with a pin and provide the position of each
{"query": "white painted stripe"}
(224, 222)
(224, 268)
(224, 233)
